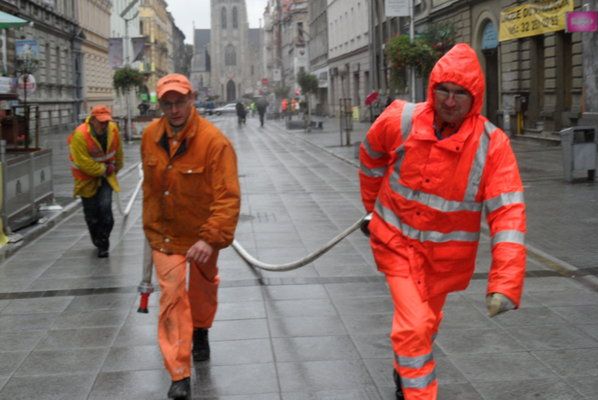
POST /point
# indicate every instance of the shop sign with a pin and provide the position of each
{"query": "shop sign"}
(534, 18)
(582, 21)
(7, 85)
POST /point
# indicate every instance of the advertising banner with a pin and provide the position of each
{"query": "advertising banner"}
(26, 49)
(582, 21)
(115, 52)
(533, 18)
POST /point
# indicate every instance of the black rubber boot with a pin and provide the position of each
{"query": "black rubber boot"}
(201, 346)
(180, 390)
(397, 379)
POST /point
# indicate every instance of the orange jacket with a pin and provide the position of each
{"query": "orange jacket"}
(88, 159)
(194, 194)
(427, 195)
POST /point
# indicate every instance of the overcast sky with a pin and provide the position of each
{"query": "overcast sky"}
(186, 12)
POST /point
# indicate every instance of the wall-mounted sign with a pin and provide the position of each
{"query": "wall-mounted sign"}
(396, 8)
(26, 48)
(534, 18)
(582, 21)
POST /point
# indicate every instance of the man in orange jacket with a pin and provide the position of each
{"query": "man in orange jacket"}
(96, 155)
(191, 202)
(427, 171)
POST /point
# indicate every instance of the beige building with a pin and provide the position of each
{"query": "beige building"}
(93, 17)
(348, 56)
(156, 25)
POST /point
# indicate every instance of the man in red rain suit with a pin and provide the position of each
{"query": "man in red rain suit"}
(427, 171)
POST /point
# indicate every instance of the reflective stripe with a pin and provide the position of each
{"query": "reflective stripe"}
(419, 383)
(503, 199)
(423, 236)
(413, 362)
(407, 119)
(368, 149)
(373, 172)
(508, 237)
(105, 157)
(479, 162)
(430, 200)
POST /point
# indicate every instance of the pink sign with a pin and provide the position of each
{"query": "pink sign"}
(582, 21)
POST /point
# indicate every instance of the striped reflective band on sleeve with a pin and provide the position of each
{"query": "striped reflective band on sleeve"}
(373, 172)
(479, 162)
(372, 153)
(413, 362)
(503, 199)
(423, 236)
(407, 119)
(104, 157)
(418, 383)
(510, 236)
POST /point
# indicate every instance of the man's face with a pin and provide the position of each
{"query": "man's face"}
(451, 103)
(98, 127)
(176, 107)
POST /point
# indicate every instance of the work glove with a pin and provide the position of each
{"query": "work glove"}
(110, 169)
(365, 225)
(497, 303)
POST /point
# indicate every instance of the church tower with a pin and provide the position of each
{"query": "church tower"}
(229, 50)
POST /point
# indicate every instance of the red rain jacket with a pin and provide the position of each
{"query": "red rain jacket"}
(427, 195)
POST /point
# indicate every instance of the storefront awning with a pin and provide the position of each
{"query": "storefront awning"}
(10, 21)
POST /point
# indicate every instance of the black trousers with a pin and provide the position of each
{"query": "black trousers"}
(261, 117)
(98, 215)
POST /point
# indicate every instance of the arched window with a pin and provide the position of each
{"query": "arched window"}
(223, 17)
(235, 18)
(230, 55)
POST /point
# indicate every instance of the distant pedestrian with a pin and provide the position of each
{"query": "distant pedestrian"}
(96, 155)
(261, 105)
(191, 202)
(241, 113)
(427, 172)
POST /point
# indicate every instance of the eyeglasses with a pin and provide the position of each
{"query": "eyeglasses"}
(443, 93)
(167, 105)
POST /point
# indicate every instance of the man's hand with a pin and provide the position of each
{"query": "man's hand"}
(110, 169)
(200, 252)
(497, 303)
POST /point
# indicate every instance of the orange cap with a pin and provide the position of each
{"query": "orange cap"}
(101, 113)
(173, 82)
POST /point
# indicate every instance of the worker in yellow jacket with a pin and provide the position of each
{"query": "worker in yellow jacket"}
(96, 155)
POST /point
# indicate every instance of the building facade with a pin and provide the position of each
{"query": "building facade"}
(229, 49)
(318, 52)
(348, 53)
(58, 95)
(93, 17)
(156, 26)
(533, 83)
(200, 64)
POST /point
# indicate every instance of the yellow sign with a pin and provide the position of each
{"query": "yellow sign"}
(533, 18)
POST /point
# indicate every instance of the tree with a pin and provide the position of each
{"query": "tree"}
(127, 78)
(309, 85)
(420, 53)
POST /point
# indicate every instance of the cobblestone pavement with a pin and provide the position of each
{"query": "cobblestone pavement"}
(69, 327)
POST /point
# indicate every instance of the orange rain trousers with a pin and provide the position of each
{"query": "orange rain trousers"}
(181, 310)
(414, 326)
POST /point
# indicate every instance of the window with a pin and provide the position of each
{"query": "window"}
(235, 18)
(230, 55)
(223, 17)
